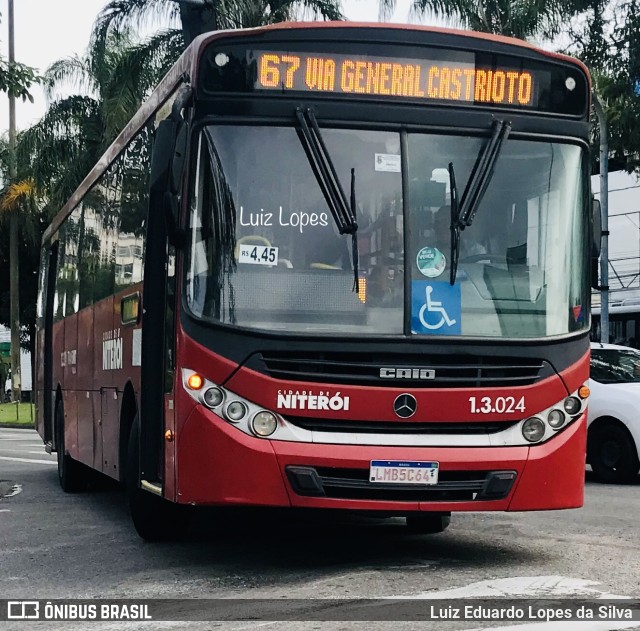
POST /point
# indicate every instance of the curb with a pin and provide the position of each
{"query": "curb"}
(16, 426)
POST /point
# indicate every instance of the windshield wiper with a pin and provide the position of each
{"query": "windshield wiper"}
(454, 226)
(466, 209)
(342, 210)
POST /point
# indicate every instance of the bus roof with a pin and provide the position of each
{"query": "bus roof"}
(185, 66)
(502, 39)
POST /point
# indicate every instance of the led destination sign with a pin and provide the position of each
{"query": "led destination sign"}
(461, 81)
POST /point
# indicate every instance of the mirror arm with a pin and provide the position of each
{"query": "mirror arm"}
(183, 98)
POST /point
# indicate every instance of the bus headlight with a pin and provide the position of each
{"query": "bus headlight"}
(533, 429)
(556, 419)
(264, 423)
(235, 411)
(572, 405)
(213, 397)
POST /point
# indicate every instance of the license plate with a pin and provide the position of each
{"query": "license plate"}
(403, 472)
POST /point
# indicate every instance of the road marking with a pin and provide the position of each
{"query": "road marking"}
(30, 460)
(15, 489)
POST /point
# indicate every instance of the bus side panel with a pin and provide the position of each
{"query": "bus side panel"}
(127, 371)
(103, 332)
(131, 351)
(103, 371)
(57, 343)
(69, 380)
(84, 381)
(70, 354)
(71, 423)
(112, 398)
(96, 404)
(39, 383)
(110, 407)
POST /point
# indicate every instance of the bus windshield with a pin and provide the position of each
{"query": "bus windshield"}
(265, 252)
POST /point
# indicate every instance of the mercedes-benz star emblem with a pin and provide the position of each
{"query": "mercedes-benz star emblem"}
(405, 405)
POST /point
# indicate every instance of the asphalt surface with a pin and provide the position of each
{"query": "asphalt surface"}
(57, 545)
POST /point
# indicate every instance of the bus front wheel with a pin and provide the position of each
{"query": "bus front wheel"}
(428, 523)
(154, 518)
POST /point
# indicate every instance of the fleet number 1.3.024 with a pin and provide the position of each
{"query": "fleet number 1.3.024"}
(497, 405)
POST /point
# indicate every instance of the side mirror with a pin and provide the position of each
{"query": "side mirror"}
(164, 143)
(167, 167)
(179, 157)
(596, 218)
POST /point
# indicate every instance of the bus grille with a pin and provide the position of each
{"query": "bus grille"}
(397, 427)
(354, 484)
(449, 371)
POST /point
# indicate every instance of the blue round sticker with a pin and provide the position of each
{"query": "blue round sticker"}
(431, 262)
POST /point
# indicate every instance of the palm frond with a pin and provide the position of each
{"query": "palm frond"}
(73, 72)
(118, 15)
(521, 19)
(16, 194)
(135, 75)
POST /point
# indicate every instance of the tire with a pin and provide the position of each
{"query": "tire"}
(154, 518)
(72, 475)
(612, 454)
(428, 523)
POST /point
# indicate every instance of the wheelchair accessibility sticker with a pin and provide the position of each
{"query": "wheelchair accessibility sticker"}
(435, 308)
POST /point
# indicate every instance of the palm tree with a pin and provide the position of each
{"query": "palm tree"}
(56, 153)
(198, 16)
(18, 209)
(523, 19)
(74, 132)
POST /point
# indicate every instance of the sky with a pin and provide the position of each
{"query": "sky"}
(48, 30)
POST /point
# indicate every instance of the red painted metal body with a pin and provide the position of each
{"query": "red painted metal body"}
(91, 387)
(218, 464)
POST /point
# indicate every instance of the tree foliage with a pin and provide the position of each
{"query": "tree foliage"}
(521, 18)
(16, 79)
(606, 36)
(120, 15)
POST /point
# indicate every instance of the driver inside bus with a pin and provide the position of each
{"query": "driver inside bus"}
(442, 234)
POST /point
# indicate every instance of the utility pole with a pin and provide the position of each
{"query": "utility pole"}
(604, 207)
(14, 280)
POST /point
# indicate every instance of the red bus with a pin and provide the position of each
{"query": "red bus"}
(333, 266)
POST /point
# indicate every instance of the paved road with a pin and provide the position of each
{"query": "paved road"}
(54, 545)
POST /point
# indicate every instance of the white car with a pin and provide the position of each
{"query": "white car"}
(613, 444)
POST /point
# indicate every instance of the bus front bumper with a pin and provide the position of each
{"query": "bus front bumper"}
(217, 464)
